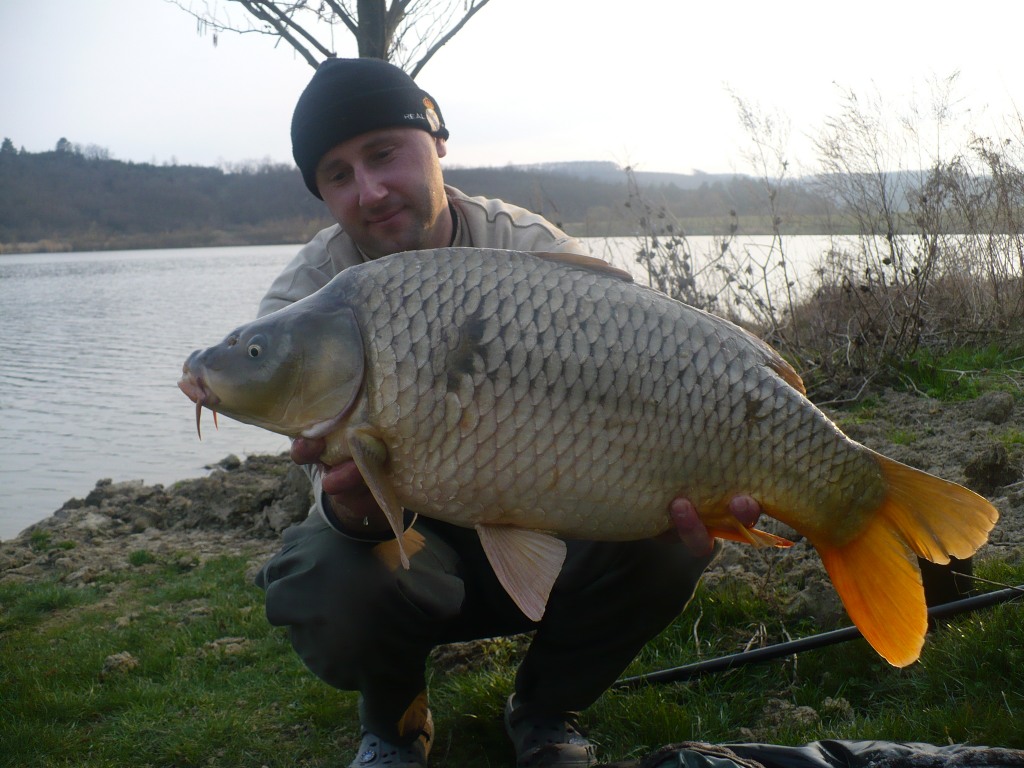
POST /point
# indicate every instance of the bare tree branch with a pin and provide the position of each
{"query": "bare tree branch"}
(346, 17)
(474, 7)
(381, 28)
(284, 24)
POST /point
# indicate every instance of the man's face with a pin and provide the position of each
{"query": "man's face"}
(386, 190)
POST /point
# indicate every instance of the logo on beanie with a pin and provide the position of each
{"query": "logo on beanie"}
(431, 112)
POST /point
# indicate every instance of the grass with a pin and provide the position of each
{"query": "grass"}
(214, 684)
(963, 373)
(971, 666)
(902, 436)
(193, 697)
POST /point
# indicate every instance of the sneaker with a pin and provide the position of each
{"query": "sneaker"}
(375, 751)
(547, 741)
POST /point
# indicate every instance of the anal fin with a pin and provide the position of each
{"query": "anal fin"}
(752, 536)
(525, 562)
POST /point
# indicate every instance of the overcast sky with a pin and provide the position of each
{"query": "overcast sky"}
(644, 82)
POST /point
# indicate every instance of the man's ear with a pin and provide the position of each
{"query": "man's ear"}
(441, 145)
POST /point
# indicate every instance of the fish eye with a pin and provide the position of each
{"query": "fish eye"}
(255, 347)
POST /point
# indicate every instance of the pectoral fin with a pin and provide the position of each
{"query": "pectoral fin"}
(525, 562)
(369, 453)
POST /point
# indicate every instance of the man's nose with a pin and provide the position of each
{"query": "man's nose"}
(372, 188)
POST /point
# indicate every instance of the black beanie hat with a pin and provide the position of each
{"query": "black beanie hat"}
(348, 97)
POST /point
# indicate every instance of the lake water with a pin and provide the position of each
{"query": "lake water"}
(92, 346)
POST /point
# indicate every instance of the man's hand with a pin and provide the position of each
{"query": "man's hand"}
(350, 499)
(694, 534)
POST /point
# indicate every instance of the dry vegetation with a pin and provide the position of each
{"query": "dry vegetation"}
(936, 261)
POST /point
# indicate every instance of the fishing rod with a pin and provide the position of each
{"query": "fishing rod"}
(779, 650)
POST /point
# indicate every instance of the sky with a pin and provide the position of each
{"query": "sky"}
(647, 83)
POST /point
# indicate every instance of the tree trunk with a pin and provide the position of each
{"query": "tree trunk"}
(374, 37)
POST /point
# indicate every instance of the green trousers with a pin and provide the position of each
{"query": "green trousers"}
(361, 622)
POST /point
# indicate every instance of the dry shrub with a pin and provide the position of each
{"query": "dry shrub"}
(663, 252)
(936, 261)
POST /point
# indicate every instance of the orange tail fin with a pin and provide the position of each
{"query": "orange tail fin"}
(938, 519)
(876, 574)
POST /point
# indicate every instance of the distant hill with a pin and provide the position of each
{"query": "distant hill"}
(606, 171)
(70, 199)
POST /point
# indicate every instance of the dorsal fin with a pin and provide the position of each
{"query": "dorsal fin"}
(769, 355)
(772, 358)
(788, 373)
(589, 263)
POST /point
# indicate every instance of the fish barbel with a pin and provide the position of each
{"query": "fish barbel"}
(536, 396)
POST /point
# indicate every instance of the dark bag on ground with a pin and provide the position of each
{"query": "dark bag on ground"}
(827, 754)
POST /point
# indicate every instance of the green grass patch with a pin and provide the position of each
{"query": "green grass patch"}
(963, 373)
(23, 606)
(203, 679)
(902, 436)
(1011, 438)
(141, 557)
(967, 687)
(175, 665)
(42, 541)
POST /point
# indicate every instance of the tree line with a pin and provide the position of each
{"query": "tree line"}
(79, 198)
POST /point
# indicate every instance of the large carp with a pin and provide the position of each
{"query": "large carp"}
(534, 396)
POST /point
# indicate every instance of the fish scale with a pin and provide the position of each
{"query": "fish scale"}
(583, 408)
(538, 395)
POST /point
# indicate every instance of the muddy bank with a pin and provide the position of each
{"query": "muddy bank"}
(240, 506)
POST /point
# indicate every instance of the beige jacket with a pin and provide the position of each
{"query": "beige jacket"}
(480, 223)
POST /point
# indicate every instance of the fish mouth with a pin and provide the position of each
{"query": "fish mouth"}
(196, 390)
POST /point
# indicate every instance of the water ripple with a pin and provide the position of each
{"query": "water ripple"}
(92, 347)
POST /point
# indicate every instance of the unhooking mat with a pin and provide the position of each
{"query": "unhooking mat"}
(827, 754)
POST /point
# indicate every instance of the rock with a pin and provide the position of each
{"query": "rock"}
(819, 601)
(990, 469)
(118, 664)
(837, 709)
(778, 713)
(293, 504)
(226, 646)
(93, 522)
(83, 575)
(994, 407)
(229, 512)
(229, 462)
